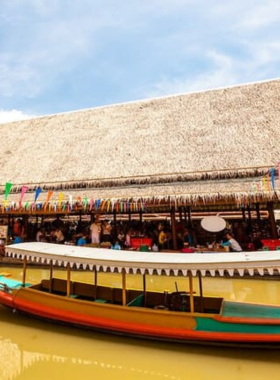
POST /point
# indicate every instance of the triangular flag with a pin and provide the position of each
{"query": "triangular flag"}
(8, 187)
(37, 193)
(23, 191)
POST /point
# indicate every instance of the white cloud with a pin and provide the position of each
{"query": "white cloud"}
(57, 54)
(14, 115)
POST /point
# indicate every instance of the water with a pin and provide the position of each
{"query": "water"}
(33, 349)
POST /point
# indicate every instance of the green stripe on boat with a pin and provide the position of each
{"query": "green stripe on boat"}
(211, 325)
(238, 309)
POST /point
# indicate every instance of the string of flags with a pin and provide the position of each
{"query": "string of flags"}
(66, 203)
(267, 182)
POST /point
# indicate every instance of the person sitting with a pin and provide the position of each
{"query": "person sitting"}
(258, 244)
(82, 240)
(189, 238)
(233, 244)
(59, 237)
(39, 235)
(17, 240)
(116, 245)
(162, 239)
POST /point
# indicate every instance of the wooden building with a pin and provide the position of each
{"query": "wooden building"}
(200, 152)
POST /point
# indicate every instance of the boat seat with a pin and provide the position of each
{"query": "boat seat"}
(100, 300)
(138, 301)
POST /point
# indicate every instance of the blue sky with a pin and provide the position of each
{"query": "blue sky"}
(64, 55)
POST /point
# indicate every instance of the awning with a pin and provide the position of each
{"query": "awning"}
(153, 263)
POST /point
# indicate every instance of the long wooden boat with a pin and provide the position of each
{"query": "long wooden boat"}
(180, 316)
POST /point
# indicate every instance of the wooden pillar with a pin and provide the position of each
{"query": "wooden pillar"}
(51, 276)
(258, 212)
(173, 227)
(243, 214)
(25, 226)
(180, 214)
(249, 219)
(24, 271)
(123, 287)
(191, 292)
(185, 214)
(272, 221)
(144, 289)
(114, 234)
(190, 217)
(95, 283)
(68, 279)
(200, 292)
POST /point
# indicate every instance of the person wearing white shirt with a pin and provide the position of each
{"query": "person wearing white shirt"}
(234, 245)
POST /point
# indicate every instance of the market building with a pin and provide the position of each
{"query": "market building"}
(181, 157)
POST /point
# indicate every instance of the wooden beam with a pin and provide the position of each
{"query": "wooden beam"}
(191, 292)
(173, 227)
(68, 279)
(271, 218)
(123, 287)
(24, 271)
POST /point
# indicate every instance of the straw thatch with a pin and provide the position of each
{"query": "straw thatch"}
(211, 144)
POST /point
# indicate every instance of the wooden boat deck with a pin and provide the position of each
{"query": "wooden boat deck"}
(177, 301)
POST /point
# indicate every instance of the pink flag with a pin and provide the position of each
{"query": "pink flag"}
(23, 191)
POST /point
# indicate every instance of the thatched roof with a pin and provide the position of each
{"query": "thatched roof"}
(210, 144)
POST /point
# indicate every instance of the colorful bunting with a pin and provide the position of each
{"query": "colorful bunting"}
(37, 193)
(272, 178)
(23, 191)
(8, 187)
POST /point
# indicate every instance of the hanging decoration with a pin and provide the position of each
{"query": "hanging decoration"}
(23, 191)
(50, 194)
(85, 202)
(37, 193)
(272, 178)
(8, 187)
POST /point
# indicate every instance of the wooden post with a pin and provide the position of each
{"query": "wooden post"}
(249, 219)
(200, 292)
(185, 214)
(24, 271)
(95, 283)
(68, 279)
(123, 288)
(258, 212)
(173, 227)
(190, 217)
(51, 276)
(180, 214)
(144, 289)
(243, 214)
(191, 292)
(271, 218)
